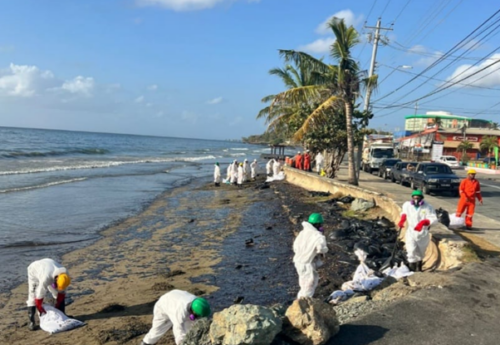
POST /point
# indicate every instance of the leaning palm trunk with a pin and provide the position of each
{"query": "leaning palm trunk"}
(350, 145)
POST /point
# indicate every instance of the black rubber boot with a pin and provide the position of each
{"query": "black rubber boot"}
(412, 266)
(143, 343)
(31, 316)
(419, 266)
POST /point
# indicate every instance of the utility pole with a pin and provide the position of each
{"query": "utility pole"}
(376, 41)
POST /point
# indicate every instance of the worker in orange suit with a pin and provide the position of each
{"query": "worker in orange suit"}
(307, 161)
(469, 191)
(298, 161)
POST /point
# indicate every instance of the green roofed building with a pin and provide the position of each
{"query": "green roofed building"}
(420, 122)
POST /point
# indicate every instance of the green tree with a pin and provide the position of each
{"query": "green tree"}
(494, 125)
(488, 143)
(334, 90)
(463, 147)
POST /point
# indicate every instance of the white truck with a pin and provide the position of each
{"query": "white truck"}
(374, 154)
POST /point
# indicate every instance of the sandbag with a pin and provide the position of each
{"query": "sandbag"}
(279, 177)
(55, 321)
(456, 222)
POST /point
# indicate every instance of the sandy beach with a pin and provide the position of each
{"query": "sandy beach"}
(191, 238)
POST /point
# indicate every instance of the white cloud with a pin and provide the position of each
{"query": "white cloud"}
(149, 105)
(181, 5)
(153, 87)
(139, 99)
(24, 81)
(321, 45)
(79, 85)
(429, 56)
(490, 77)
(349, 18)
(215, 100)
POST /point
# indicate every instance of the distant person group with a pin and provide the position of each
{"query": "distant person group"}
(303, 161)
(237, 173)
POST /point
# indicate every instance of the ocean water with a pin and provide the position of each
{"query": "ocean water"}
(59, 189)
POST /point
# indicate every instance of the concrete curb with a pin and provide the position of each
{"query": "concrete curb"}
(447, 251)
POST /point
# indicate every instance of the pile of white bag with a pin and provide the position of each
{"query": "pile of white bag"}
(456, 222)
(55, 321)
(279, 177)
(364, 279)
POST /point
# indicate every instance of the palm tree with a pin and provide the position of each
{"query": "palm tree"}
(488, 143)
(494, 125)
(463, 147)
(335, 88)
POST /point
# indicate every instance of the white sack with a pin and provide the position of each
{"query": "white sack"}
(54, 321)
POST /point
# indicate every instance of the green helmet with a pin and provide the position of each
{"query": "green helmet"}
(200, 307)
(417, 193)
(217, 163)
(316, 218)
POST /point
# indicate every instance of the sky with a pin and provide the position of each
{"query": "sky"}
(199, 68)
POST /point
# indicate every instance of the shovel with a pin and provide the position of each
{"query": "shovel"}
(390, 261)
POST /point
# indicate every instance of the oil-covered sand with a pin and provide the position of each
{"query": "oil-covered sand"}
(193, 238)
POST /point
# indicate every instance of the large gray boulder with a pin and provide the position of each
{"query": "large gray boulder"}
(199, 334)
(310, 322)
(244, 325)
(362, 205)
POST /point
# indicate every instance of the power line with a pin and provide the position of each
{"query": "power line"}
(385, 8)
(401, 12)
(440, 59)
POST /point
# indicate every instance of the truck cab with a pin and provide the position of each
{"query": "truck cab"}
(374, 155)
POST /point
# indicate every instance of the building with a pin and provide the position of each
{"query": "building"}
(418, 123)
(448, 140)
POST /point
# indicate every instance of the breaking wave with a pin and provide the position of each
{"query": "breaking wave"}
(45, 185)
(97, 165)
(23, 154)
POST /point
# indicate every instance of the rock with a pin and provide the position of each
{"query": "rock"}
(310, 322)
(245, 325)
(199, 334)
(356, 299)
(362, 205)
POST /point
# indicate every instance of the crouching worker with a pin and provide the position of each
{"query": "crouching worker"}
(43, 276)
(177, 310)
(420, 216)
(306, 246)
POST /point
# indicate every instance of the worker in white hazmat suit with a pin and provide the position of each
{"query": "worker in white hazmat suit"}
(319, 162)
(234, 172)
(241, 175)
(420, 216)
(269, 167)
(253, 167)
(44, 276)
(217, 175)
(229, 171)
(276, 168)
(178, 310)
(245, 170)
(309, 243)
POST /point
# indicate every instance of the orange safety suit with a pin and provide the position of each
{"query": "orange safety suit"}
(469, 191)
(307, 162)
(298, 161)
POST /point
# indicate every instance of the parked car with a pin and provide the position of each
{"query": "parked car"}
(385, 167)
(450, 161)
(490, 160)
(435, 177)
(400, 174)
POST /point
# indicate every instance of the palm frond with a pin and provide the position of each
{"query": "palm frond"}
(285, 76)
(316, 116)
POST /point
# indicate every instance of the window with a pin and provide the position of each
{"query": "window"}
(437, 169)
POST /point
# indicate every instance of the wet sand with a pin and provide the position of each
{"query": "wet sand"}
(192, 238)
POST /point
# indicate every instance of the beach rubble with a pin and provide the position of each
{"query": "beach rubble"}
(310, 321)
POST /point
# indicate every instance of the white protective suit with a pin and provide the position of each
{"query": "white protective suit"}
(171, 311)
(253, 167)
(229, 171)
(417, 241)
(245, 170)
(217, 176)
(306, 246)
(319, 162)
(269, 166)
(41, 276)
(234, 172)
(276, 168)
(241, 175)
